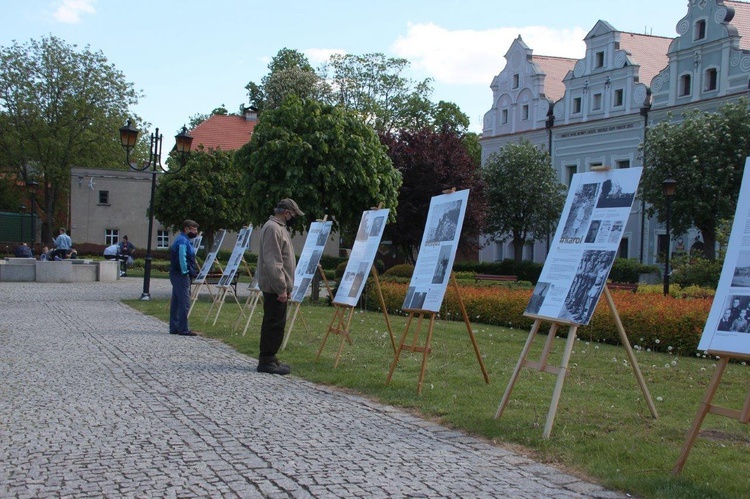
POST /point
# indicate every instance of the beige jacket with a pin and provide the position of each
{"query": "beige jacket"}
(276, 261)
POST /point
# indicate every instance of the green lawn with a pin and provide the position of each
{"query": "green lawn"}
(603, 428)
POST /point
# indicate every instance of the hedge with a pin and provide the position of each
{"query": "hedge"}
(651, 320)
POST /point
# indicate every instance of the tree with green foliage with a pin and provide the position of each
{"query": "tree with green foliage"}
(431, 161)
(59, 107)
(207, 189)
(323, 157)
(377, 88)
(705, 153)
(524, 197)
(290, 73)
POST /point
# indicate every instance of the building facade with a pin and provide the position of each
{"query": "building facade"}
(597, 114)
(106, 205)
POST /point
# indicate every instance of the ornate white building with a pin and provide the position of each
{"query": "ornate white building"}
(595, 111)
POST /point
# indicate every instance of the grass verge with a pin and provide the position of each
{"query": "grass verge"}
(603, 428)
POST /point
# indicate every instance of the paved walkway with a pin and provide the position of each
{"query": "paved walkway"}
(97, 399)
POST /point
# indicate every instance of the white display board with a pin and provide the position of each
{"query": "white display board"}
(211, 257)
(362, 256)
(243, 242)
(196, 242)
(585, 245)
(728, 326)
(315, 244)
(437, 252)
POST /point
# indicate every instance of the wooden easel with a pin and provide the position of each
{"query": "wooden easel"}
(340, 322)
(706, 407)
(223, 290)
(197, 289)
(251, 302)
(562, 371)
(297, 310)
(426, 349)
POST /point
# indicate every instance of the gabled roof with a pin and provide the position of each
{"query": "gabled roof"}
(741, 21)
(649, 51)
(227, 133)
(555, 69)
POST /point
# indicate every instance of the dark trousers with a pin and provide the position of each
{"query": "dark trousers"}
(272, 328)
(180, 304)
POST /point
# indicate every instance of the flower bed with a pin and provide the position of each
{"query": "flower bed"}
(651, 320)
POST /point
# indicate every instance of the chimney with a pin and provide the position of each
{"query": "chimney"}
(251, 114)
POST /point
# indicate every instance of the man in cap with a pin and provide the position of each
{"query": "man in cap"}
(275, 276)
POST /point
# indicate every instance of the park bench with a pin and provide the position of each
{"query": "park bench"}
(214, 277)
(490, 277)
(623, 286)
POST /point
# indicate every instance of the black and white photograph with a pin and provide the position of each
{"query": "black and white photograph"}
(323, 237)
(359, 279)
(312, 264)
(580, 212)
(613, 195)
(243, 240)
(361, 257)
(586, 242)
(363, 232)
(727, 326)
(298, 292)
(440, 241)
(741, 275)
(441, 267)
(593, 231)
(443, 221)
(377, 226)
(588, 284)
(537, 297)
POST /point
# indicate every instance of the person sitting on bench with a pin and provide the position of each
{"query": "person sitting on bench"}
(112, 252)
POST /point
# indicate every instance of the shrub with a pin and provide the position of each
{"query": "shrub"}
(629, 270)
(694, 269)
(403, 270)
(525, 271)
(651, 321)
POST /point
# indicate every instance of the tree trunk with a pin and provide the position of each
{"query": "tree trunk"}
(709, 242)
(518, 245)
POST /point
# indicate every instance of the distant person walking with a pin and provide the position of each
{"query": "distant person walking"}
(275, 275)
(181, 269)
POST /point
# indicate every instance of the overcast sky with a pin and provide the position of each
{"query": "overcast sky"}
(191, 56)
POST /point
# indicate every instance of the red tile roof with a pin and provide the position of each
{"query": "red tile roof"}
(227, 133)
(555, 69)
(741, 21)
(650, 52)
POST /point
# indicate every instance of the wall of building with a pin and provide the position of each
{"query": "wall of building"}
(614, 93)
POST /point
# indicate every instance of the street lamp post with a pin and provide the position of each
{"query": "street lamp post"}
(128, 138)
(22, 211)
(32, 186)
(668, 188)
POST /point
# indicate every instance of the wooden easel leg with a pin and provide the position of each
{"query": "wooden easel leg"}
(337, 315)
(425, 353)
(255, 300)
(629, 351)
(468, 328)
(219, 296)
(700, 415)
(400, 347)
(221, 304)
(519, 365)
(745, 414)
(560, 381)
(383, 307)
(345, 337)
(288, 331)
